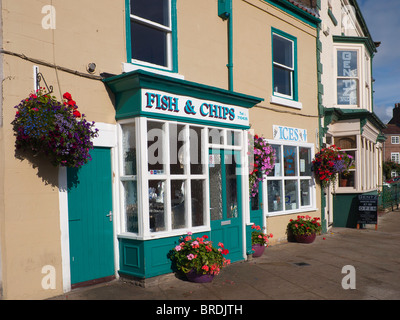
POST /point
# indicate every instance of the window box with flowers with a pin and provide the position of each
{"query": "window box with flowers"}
(330, 162)
(57, 129)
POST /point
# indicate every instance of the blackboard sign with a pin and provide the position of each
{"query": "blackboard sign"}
(367, 209)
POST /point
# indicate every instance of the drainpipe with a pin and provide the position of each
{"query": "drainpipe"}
(230, 51)
(225, 12)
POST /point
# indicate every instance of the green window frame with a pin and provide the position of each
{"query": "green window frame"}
(290, 68)
(170, 29)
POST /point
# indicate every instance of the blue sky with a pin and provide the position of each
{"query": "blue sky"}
(382, 18)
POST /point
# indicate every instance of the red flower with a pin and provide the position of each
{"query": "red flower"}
(76, 113)
(67, 96)
(71, 103)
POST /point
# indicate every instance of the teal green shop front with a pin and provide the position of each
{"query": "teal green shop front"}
(182, 168)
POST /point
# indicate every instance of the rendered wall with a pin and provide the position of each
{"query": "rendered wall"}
(29, 204)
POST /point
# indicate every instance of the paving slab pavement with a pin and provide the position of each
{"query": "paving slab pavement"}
(288, 271)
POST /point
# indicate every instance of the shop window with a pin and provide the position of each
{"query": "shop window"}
(150, 33)
(129, 178)
(155, 147)
(176, 180)
(216, 136)
(347, 77)
(172, 159)
(348, 144)
(157, 208)
(284, 65)
(289, 184)
(197, 198)
(196, 143)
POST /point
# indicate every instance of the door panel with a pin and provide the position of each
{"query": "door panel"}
(256, 205)
(90, 225)
(225, 202)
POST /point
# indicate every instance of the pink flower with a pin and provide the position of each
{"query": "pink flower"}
(178, 248)
(191, 256)
(195, 244)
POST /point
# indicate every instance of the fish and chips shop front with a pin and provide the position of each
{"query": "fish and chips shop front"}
(182, 168)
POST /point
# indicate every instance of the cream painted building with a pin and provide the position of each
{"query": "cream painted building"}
(153, 77)
(347, 111)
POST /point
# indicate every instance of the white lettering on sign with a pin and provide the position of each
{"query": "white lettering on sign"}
(164, 103)
(289, 134)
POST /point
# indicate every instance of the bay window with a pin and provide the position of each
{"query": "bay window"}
(164, 177)
(289, 185)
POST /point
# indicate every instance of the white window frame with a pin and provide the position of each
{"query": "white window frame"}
(355, 163)
(395, 139)
(291, 69)
(144, 176)
(395, 157)
(161, 27)
(298, 178)
(364, 76)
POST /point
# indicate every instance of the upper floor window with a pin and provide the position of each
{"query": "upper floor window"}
(284, 65)
(395, 140)
(347, 77)
(150, 34)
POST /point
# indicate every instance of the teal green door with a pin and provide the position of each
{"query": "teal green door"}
(225, 202)
(90, 222)
(256, 205)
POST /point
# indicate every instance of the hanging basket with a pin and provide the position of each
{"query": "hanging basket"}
(43, 125)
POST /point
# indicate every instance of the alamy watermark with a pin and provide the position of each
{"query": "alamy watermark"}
(49, 280)
(49, 20)
(349, 280)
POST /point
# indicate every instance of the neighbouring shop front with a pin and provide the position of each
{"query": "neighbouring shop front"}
(182, 167)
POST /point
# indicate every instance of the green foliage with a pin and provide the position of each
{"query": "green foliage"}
(259, 237)
(304, 225)
(200, 255)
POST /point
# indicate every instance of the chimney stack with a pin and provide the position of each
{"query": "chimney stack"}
(396, 114)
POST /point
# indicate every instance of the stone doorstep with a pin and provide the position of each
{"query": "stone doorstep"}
(147, 282)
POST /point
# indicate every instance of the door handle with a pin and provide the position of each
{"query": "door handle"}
(109, 215)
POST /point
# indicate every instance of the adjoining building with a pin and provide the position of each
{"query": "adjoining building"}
(391, 146)
(346, 106)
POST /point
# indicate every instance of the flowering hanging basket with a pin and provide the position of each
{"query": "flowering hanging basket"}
(330, 162)
(262, 161)
(57, 129)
